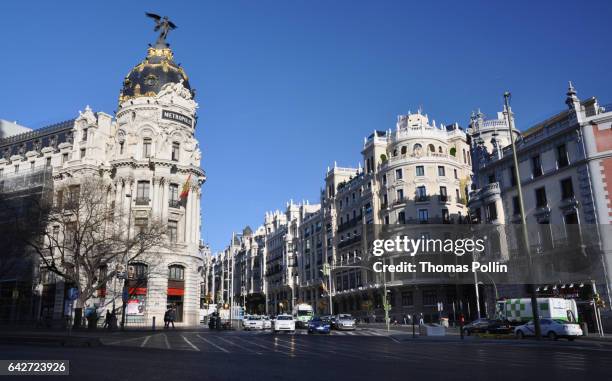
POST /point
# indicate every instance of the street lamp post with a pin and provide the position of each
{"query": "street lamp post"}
(534, 300)
(124, 295)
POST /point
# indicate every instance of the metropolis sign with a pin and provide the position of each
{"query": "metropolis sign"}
(175, 116)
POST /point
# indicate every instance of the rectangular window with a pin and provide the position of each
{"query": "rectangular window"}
(384, 179)
(174, 195)
(491, 212)
(142, 192)
(421, 193)
(407, 298)
(1, 172)
(567, 189)
(398, 174)
(401, 217)
(400, 195)
(175, 151)
(82, 153)
(121, 148)
(430, 297)
(64, 158)
(540, 195)
(146, 148)
(84, 135)
(48, 164)
(385, 200)
(562, 159)
(31, 165)
(172, 231)
(536, 166)
(491, 179)
(441, 171)
(445, 216)
(423, 216)
(516, 208)
(455, 172)
(512, 176)
(420, 170)
(443, 194)
(141, 223)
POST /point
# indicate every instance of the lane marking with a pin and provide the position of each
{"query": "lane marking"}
(145, 341)
(190, 343)
(239, 346)
(262, 346)
(166, 340)
(213, 344)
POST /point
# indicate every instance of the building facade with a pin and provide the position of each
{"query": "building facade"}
(148, 154)
(564, 167)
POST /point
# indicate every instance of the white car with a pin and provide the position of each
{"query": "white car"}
(284, 323)
(267, 323)
(344, 321)
(253, 322)
(550, 328)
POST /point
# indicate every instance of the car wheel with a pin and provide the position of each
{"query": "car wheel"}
(520, 335)
(571, 338)
(552, 335)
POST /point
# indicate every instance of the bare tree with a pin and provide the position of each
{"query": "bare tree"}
(85, 238)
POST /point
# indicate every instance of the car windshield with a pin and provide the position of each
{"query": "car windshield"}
(304, 313)
(345, 317)
(563, 322)
(284, 318)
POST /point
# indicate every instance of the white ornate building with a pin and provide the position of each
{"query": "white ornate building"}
(149, 153)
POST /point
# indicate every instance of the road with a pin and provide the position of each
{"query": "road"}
(361, 355)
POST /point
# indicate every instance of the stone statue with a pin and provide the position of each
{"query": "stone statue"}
(163, 25)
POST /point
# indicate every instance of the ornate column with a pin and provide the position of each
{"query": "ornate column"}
(187, 217)
(163, 207)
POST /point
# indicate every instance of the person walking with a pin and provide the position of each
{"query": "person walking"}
(167, 318)
(421, 319)
(107, 320)
(171, 316)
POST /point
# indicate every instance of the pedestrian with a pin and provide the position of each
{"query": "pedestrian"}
(107, 319)
(405, 319)
(461, 323)
(171, 316)
(421, 319)
(167, 318)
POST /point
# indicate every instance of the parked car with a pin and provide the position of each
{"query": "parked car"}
(267, 323)
(284, 323)
(550, 328)
(487, 326)
(319, 325)
(344, 322)
(253, 322)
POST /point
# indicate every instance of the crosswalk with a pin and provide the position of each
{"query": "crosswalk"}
(248, 342)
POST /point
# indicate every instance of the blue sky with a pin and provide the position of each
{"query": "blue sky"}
(288, 87)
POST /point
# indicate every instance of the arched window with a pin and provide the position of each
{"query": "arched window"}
(395, 152)
(176, 272)
(453, 151)
(146, 147)
(404, 150)
(417, 148)
(383, 157)
(431, 148)
(440, 149)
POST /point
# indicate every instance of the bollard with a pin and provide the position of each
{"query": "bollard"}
(413, 333)
(153, 327)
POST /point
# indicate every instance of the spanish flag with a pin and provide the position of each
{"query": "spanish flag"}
(185, 190)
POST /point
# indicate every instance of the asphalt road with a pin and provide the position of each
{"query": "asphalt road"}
(204, 355)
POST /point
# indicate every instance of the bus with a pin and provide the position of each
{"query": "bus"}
(303, 314)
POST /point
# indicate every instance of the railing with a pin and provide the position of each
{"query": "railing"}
(174, 204)
(444, 198)
(421, 198)
(142, 201)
